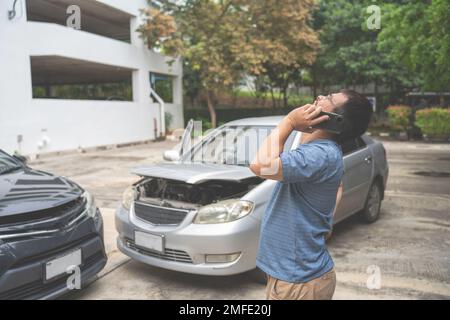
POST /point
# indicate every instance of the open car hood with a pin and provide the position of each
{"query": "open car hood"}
(194, 173)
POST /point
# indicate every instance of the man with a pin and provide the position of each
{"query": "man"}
(292, 250)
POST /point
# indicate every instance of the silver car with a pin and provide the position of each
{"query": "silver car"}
(201, 212)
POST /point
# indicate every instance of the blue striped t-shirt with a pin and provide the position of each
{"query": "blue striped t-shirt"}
(300, 213)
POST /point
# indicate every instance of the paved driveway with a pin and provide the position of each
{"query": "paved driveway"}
(409, 246)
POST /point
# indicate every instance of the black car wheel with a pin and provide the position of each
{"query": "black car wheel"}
(371, 210)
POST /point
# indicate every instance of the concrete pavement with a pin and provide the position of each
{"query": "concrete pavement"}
(409, 245)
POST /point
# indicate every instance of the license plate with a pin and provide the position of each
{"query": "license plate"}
(61, 264)
(149, 241)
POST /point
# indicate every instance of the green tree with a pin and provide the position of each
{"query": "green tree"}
(349, 54)
(212, 37)
(222, 41)
(283, 34)
(417, 34)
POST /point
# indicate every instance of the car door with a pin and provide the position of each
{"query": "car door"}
(358, 168)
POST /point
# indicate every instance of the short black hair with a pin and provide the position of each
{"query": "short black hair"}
(357, 112)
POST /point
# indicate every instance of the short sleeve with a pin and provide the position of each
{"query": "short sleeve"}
(308, 162)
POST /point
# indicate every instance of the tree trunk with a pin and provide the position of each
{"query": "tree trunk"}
(285, 97)
(376, 94)
(211, 109)
(273, 98)
(314, 79)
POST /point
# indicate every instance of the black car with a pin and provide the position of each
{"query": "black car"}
(51, 233)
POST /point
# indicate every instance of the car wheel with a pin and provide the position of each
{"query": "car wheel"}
(371, 210)
(258, 276)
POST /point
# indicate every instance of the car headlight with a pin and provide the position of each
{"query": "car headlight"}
(223, 211)
(91, 208)
(128, 197)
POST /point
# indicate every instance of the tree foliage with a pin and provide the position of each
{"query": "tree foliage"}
(416, 34)
(281, 43)
(285, 37)
(350, 54)
(410, 50)
(221, 41)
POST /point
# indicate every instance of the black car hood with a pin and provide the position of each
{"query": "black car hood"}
(28, 190)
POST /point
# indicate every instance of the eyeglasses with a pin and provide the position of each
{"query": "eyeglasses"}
(328, 97)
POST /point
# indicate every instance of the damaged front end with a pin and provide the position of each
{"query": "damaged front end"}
(163, 201)
(178, 194)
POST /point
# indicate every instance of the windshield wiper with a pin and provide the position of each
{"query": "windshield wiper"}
(8, 169)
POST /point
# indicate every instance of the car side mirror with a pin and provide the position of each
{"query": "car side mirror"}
(171, 155)
(20, 158)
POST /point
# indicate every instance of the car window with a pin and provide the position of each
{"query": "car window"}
(7, 163)
(361, 143)
(6, 160)
(234, 145)
(290, 141)
(352, 145)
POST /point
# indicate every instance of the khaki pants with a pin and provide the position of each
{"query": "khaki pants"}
(321, 288)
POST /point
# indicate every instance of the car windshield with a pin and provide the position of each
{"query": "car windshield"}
(8, 163)
(232, 145)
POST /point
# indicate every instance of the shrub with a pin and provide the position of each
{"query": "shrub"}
(398, 117)
(434, 121)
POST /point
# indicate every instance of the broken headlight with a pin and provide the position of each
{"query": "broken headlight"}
(128, 197)
(223, 211)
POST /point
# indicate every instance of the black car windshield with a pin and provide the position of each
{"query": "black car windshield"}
(8, 163)
(232, 145)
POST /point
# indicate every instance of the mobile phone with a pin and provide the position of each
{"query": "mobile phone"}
(335, 124)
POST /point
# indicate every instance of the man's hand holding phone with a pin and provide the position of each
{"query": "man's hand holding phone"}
(305, 117)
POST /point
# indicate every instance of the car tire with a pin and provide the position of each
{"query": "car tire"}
(258, 276)
(371, 210)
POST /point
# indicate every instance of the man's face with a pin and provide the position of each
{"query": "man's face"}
(330, 102)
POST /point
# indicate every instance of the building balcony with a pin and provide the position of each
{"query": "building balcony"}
(93, 16)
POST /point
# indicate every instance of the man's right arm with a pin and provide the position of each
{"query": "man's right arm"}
(267, 162)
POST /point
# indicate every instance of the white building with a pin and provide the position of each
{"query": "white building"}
(62, 88)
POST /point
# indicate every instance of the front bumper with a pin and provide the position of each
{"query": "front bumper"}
(187, 245)
(22, 262)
